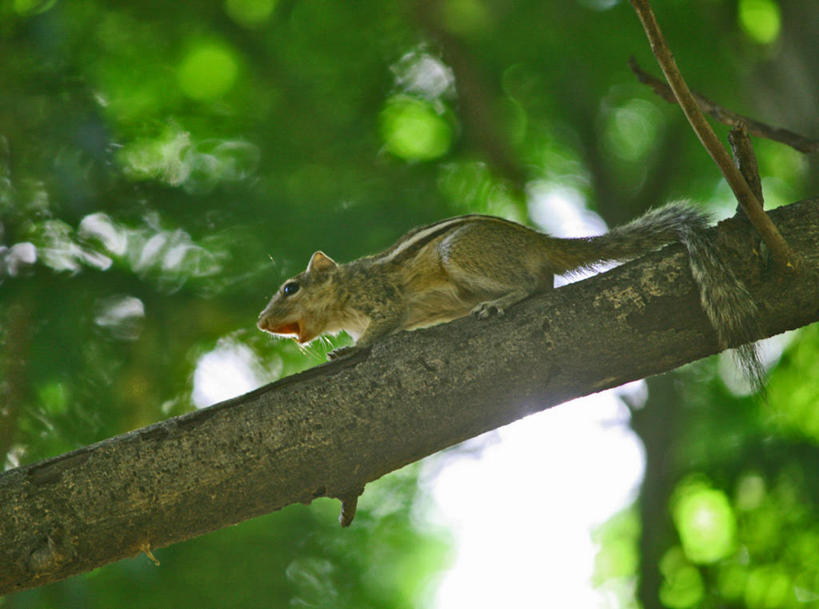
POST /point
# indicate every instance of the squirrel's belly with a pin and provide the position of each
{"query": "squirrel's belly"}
(436, 306)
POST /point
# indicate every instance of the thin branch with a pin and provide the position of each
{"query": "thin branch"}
(745, 159)
(781, 252)
(728, 117)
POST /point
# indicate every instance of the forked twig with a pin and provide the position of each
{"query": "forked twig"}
(780, 251)
(728, 117)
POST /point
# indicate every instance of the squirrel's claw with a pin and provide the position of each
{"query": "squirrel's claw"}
(342, 352)
(486, 310)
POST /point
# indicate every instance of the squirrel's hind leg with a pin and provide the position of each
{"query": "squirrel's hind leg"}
(496, 277)
(498, 306)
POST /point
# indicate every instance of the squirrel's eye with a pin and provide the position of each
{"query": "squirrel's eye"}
(290, 288)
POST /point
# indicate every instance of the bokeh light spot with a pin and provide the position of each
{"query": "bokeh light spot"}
(760, 19)
(466, 17)
(208, 71)
(249, 13)
(682, 585)
(413, 130)
(53, 398)
(769, 587)
(27, 8)
(631, 130)
(705, 522)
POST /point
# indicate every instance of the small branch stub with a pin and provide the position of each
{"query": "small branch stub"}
(146, 549)
(349, 504)
(746, 159)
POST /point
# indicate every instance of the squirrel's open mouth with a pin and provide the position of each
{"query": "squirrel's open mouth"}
(294, 329)
(287, 329)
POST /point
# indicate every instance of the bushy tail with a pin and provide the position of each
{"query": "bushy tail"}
(652, 230)
(727, 304)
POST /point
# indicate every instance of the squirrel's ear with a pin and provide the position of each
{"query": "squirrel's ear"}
(320, 262)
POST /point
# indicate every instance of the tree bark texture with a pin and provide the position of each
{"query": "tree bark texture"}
(331, 429)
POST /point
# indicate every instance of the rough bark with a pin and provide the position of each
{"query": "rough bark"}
(328, 431)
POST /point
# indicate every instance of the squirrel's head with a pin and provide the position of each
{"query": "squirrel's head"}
(301, 306)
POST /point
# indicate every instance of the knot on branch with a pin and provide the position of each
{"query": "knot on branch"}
(47, 556)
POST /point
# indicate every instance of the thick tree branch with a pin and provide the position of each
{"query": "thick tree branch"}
(330, 430)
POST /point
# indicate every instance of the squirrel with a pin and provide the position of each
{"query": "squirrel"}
(483, 265)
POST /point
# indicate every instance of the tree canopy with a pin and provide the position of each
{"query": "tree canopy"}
(164, 166)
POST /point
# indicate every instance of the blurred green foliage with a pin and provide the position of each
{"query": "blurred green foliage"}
(163, 166)
(745, 525)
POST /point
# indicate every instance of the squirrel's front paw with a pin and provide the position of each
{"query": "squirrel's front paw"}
(342, 352)
(486, 310)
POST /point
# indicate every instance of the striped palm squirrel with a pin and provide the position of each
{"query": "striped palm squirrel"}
(483, 265)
